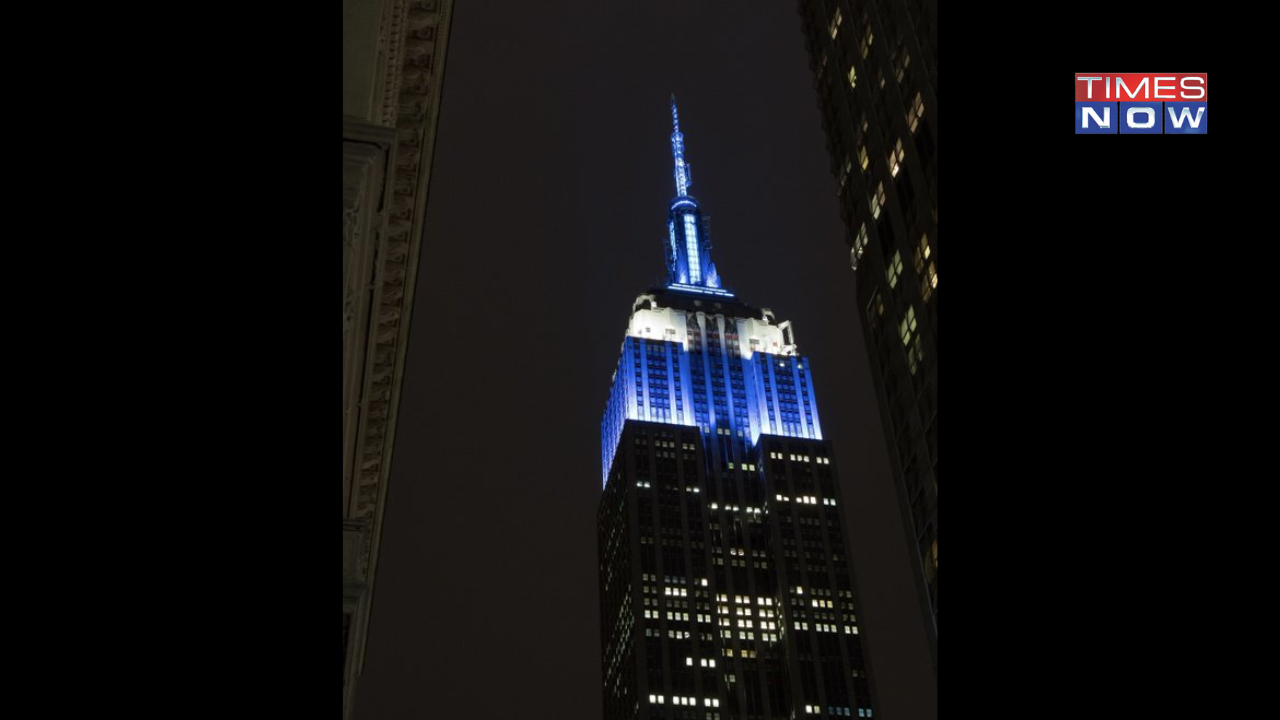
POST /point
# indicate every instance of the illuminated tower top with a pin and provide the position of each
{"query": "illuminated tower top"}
(677, 152)
(695, 355)
(689, 266)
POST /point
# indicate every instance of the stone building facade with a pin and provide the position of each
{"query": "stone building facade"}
(393, 55)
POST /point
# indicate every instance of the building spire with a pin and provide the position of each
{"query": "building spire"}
(689, 265)
(677, 153)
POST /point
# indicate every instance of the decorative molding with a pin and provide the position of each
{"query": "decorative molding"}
(350, 239)
(392, 37)
(355, 546)
(386, 169)
(418, 98)
(366, 157)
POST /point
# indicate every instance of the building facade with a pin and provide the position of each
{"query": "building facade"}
(725, 583)
(875, 68)
(392, 65)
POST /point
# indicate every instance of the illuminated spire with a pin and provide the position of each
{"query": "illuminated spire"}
(677, 152)
(689, 265)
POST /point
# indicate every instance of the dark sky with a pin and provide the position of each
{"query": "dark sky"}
(546, 217)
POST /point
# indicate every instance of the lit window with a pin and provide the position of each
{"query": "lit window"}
(913, 342)
(922, 253)
(877, 201)
(835, 24)
(929, 283)
(908, 326)
(896, 157)
(859, 247)
(916, 112)
(867, 40)
(895, 269)
(863, 160)
(853, 77)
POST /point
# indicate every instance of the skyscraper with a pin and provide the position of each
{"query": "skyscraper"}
(876, 72)
(725, 584)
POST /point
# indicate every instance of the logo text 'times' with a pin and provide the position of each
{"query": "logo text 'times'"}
(1142, 103)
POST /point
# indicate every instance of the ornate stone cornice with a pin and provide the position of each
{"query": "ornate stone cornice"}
(393, 18)
(421, 55)
(366, 161)
(386, 169)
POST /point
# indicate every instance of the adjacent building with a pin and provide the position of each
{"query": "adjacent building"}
(392, 65)
(725, 582)
(876, 71)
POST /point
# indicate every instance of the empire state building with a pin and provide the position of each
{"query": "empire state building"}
(725, 586)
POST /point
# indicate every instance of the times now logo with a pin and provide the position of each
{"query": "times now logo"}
(1142, 103)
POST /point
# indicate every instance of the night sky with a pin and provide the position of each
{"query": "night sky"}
(546, 217)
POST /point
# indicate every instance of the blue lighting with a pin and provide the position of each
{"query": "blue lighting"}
(690, 260)
(675, 247)
(706, 368)
(651, 384)
(684, 287)
(713, 277)
(710, 387)
(691, 244)
(677, 150)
